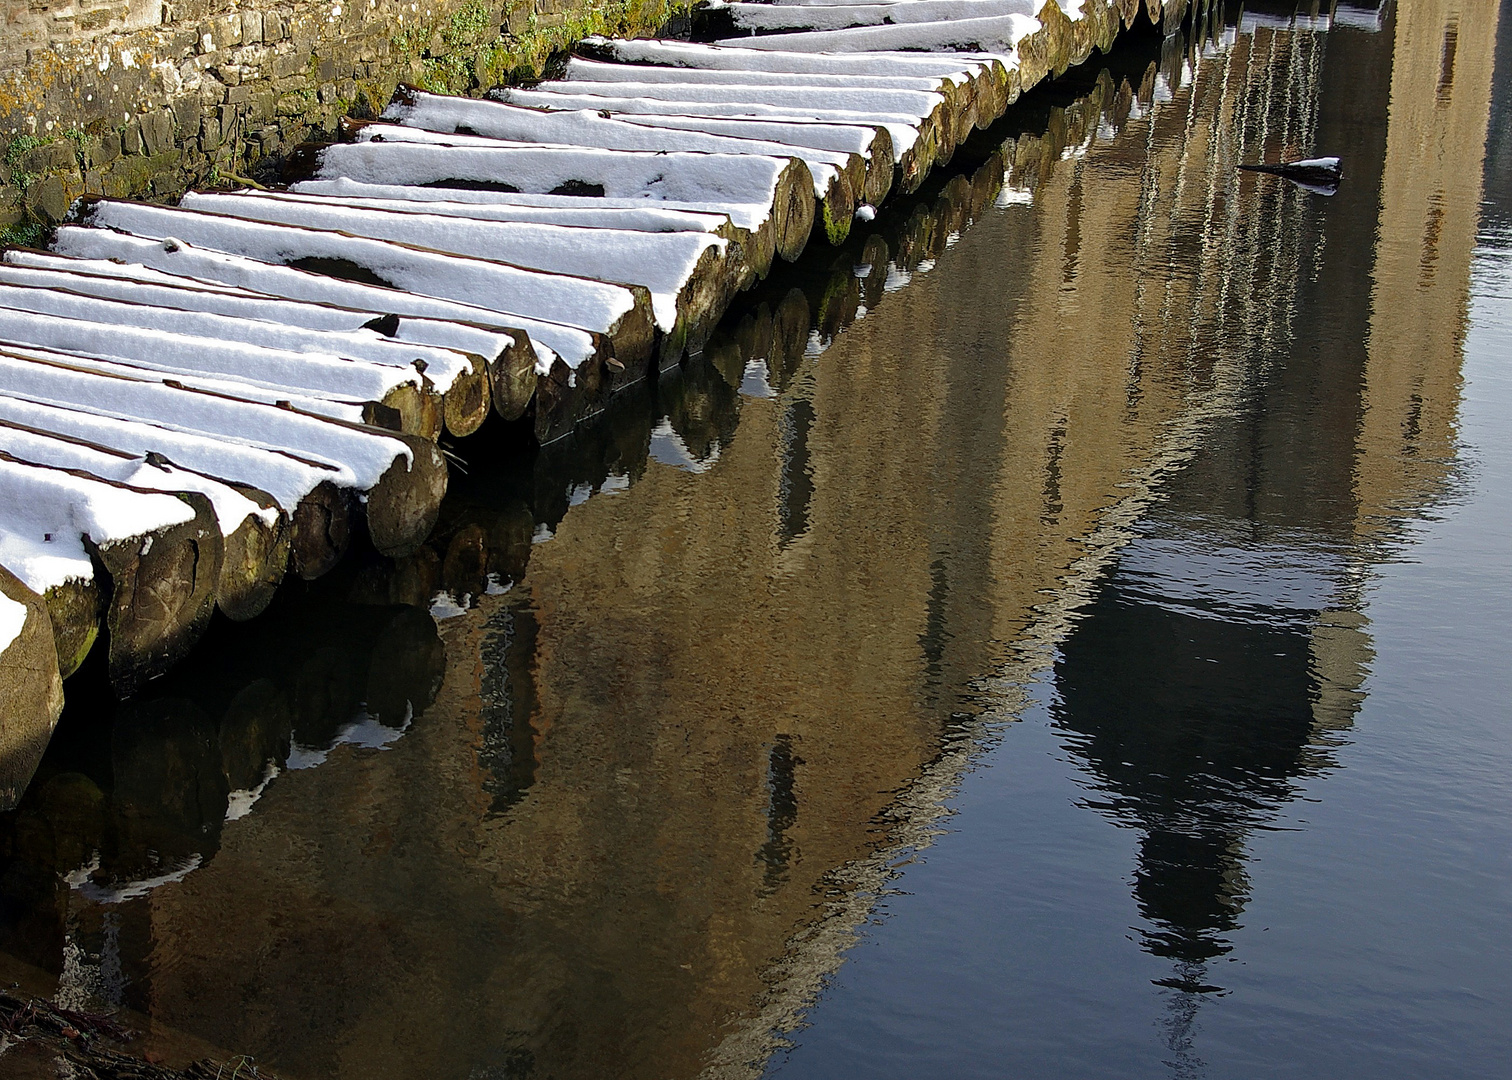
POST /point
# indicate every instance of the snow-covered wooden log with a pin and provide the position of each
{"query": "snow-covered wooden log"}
(782, 185)
(581, 212)
(999, 34)
(739, 223)
(961, 98)
(31, 689)
(620, 313)
(915, 154)
(838, 177)
(325, 383)
(987, 76)
(254, 531)
(925, 108)
(514, 382)
(873, 145)
(685, 273)
(162, 554)
(268, 355)
(401, 477)
(318, 511)
(770, 18)
(467, 393)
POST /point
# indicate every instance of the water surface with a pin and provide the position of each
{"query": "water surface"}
(1058, 634)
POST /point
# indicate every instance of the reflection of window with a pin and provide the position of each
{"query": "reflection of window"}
(796, 487)
(782, 813)
(508, 695)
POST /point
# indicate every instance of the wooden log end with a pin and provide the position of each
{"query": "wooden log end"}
(31, 692)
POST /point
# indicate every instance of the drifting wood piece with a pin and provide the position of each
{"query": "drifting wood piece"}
(683, 273)
(162, 554)
(599, 307)
(301, 485)
(99, 331)
(31, 688)
(254, 531)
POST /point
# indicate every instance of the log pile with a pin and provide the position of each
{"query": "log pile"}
(195, 400)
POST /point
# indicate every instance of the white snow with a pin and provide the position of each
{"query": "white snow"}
(12, 621)
(81, 324)
(498, 120)
(705, 178)
(662, 262)
(232, 508)
(119, 367)
(177, 257)
(766, 16)
(998, 34)
(690, 55)
(580, 70)
(359, 458)
(1329, 163)
(912, 103)
(904, 128)
(584, 212)
(139, 284)
(48, 513)
(841, 138)
(282, 476)
(591, 305)
(354, 349)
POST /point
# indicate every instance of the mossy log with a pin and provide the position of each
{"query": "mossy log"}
(31, 688)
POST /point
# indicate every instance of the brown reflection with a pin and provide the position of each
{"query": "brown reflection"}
(722, 647)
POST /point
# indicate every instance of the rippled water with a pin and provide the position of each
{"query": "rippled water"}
(1061, 634)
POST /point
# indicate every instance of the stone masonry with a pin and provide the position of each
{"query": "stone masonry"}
(146, 98)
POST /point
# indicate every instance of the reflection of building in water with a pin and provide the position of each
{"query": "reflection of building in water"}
(1206, 677)
(660, 765)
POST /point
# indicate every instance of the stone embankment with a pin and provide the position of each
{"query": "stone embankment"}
(195, 400)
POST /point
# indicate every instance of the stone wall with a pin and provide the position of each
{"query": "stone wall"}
(146, 98)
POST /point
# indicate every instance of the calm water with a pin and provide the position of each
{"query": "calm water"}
(1061, 634)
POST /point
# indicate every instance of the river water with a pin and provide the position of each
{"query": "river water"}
(1061, 634)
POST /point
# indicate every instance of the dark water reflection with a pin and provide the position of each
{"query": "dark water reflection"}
(1095, 433)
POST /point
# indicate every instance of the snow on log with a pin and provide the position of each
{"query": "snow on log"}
(31, 688)
(596, 306)
(104, 329)
(960, 110)
(925, 108)
(782, 185)
(466, 385)
(254, 532)
(402, 476)
(988, 75)
(770, 17)
(162, 554)
(317, 509)
(838, 177)
(872, 144)
(915, 154)
(513, 384)
(739, 223)
(685, 273)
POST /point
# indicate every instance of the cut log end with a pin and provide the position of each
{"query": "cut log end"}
(31, 692)
(469, 399)
(514, 377)
(402, 507)
(320, 530)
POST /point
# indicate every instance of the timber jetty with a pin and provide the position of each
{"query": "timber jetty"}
(197, 400)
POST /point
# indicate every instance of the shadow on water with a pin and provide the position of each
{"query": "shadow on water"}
(662, 702)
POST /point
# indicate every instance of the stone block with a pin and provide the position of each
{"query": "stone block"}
(273, 27)
(227, 30)
(47, 199)
(230, 74)
(186, 115)
(157, 131)
(327, 93)
(131, 137)
(11, 210)
(94, 182)
(45, 159)
(210, 134)
(239, 95)
(104, 150)
(252, 27)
